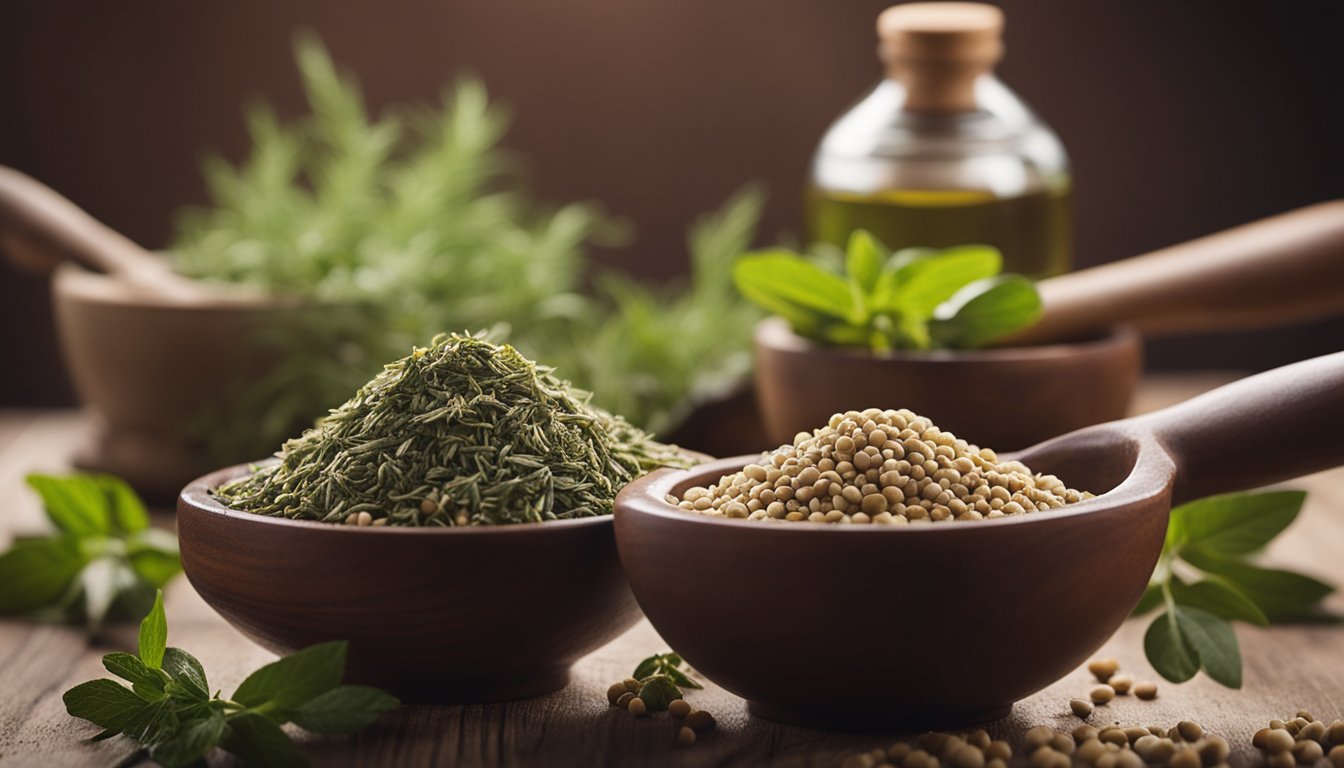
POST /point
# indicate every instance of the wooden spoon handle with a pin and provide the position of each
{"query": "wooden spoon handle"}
(39, 229)
(1277, 271)
(1269, 427)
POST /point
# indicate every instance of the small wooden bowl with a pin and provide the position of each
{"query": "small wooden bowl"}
(893, 628)
(1003, 399)
(433, 615)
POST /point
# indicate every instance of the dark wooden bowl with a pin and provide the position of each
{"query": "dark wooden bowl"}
(874, 627)
(434, 615)
(997, 398)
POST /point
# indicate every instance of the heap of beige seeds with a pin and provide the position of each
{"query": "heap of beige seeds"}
(1302, 740)
(875, 466)
(1184, 745)
(624, 694)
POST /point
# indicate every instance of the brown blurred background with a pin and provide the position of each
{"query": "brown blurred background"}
(1182, 118)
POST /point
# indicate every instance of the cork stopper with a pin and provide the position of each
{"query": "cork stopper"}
(937, 50)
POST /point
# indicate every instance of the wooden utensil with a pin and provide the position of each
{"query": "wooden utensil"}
(40, 229)
(442, 615)
(947, 624)
(1079, 366)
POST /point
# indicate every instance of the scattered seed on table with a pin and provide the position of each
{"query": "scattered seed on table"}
(700, 721)
(637, 707)
(968, 756)
(678, 708)
(1081, 708)
(632, 685)
(1315, 730)
(1101, 694)
(1037, 737)
(1136, 732)
(1185, 757)
(615, 692)
(1337, 756)
(1062, 743)
(999, 750)
(1103, 668)
(1277, 741)
(623, 701)
(1084, 732)
(1121, 683)
(1307, 752)
(1190, 730)
(685, 736)
(1146, 691)
(1281, 760)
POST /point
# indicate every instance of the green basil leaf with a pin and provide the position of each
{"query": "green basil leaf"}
(131, 669)
(343, 709)
(193, 742)
(258, 741)
(125, 511)
(658, 692)
(75, 504)
(783, 277)
(646, 667)
(1179, 642)
(1234, 524)
(682, 679)
(1168, 650)
(293, 680)
(186, 673)
(151, 559)
(884, 293)
(1151, 599)
(153, 724)
(863, 261)
(984, 311)
(105, 703)
(1220, 599)
(35, 572)
(1281, 595)
(925, 283)
(154, 634)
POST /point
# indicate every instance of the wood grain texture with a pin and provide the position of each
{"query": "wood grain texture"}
(1286, 668)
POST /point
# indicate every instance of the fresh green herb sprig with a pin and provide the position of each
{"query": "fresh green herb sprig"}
(103, 562)
(1205, 580)
(170, 713)
(915, 298)
(662, 678)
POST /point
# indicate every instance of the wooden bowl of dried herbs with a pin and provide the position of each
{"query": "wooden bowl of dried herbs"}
(451, 521)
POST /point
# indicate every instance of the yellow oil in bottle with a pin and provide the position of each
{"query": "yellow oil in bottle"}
(1031, 230)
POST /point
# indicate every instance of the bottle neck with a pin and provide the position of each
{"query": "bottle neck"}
(938, 87)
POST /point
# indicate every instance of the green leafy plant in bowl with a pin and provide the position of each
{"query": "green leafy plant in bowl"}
(914, 298)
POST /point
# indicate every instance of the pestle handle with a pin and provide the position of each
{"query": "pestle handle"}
(1281, 270)
(1262, 429)
(39, 229)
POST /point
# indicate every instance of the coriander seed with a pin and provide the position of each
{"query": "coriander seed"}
(1081, 708)
(1146, 691)
(1101, 694)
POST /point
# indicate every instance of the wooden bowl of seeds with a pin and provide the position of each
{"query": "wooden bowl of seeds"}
(934, 618)
(433, 615)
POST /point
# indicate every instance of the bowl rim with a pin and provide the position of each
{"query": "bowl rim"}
(197, 496)
(774, 333)
(1149, 478)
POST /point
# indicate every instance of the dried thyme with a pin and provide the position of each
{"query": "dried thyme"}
(464, 432)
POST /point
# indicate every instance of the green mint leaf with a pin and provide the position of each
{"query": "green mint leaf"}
(291, 681)
(1151, 599)
(258, 741)
(153, 724)
(154, 634)
(154, 566)
(131, 669)
(1234, 524)
(925, 283)
(646, 667)
(1281, 595)
(125, 511)
(682, 679)
(104, 703)
(658, 692)
(192, 742)
(103, 580)
(186, 673)
(343, 709)
(1220, 599)
(884, 293)
(863, 261)
(1181, 641)
(75, 504)
(779, 278)
(984, 311)
(36, 572)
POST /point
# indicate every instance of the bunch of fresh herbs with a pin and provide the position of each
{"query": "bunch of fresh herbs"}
(464, 432)
(393, 229)
(1205, 579)
(661, 678)
(170, 712)
(915, 298)
(103, 561)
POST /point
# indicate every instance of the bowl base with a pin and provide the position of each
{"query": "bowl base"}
(837, 720)
(469, 692)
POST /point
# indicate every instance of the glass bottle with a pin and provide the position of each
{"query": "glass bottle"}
(941, 152)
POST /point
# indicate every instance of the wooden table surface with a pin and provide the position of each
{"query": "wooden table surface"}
(1286, 668)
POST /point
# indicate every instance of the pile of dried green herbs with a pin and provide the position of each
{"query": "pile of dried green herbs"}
(464, 432)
